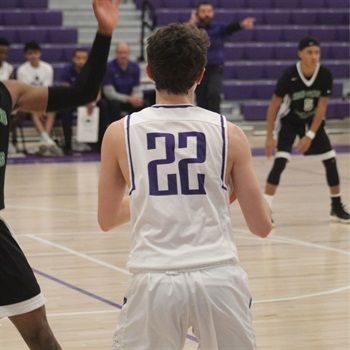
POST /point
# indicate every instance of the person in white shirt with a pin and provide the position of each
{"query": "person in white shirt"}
(39, 73)
(6, 72)
(6, 69)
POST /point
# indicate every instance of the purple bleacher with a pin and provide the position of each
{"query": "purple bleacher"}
(47, 18)
(264, 89)
(171, 4)
(238, 90)
(9, 33)
(337, 4)
(62, 35)
(303, 17)
(338, 51)
(33, 4)
(242, 36)
(325, 33)
(289, 4)
(215, 3)
(19, 18)
(52, 54)
(342, 33)
(259, 4)
(274, 17)
(16, 18)
(312, 3)
(295, 33)
(32, 34)
(57, 71)
(15, 54)
(343, 109)
(337, 89)
(9, 4)
(254, 111)
(331, 112)
(332, 17)
(167, 16)
(226, 16)
(285, 51)
(234, 51)
(268, 34)
(339, 69)
(259, 51)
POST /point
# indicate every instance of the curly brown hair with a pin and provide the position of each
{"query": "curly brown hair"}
(176, 55)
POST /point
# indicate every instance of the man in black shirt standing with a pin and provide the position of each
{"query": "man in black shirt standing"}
(208, 93)
(299, 103)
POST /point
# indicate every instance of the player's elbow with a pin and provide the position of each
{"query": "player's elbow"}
(105, 224)
(262, 230)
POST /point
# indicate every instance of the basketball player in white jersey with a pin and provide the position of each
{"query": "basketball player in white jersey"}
(178, 162)
(21, 299)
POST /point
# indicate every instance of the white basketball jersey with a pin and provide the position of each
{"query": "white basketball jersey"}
(179, 201)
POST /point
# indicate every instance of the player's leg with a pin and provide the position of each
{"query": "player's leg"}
(35, 330)
(221, 305)
(285, 135)
(154, 314)
(322, 148)
(20, 296)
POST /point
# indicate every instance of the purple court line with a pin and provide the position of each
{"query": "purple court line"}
(80, 290)
(95, 157)
(92, 295)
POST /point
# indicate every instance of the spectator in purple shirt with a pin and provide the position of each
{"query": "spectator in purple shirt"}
(121, 85)
(68, 77)
(208, 93)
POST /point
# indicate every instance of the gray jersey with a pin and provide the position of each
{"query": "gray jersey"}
(179, 200)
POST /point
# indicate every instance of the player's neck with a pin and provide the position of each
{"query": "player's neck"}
(307, 71)
(163, 97)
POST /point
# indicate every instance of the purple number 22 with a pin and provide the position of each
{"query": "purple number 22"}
(183, 164)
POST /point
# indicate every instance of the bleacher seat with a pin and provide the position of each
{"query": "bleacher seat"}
(20, 18)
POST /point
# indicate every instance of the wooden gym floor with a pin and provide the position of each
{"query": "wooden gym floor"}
(299, 276)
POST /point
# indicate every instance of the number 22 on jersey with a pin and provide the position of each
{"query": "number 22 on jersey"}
(154, 166)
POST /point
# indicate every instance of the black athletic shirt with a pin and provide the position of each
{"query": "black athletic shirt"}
(5, 110)
(301, 94)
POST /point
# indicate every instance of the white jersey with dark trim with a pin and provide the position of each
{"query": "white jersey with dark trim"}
(179, 201)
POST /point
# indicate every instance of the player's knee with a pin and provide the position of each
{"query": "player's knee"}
(331, 171)
(276, 171)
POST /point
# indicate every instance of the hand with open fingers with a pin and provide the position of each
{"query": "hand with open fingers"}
(304, 144)
(106, 13)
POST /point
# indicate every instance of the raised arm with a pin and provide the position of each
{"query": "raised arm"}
(240, 167)
(26, 97)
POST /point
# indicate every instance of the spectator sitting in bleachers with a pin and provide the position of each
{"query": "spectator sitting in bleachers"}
(121, 85)
(6, 69)
(6, 72)
(39, 73)
(68, 77)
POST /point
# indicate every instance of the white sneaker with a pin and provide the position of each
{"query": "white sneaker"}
(81, 147)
